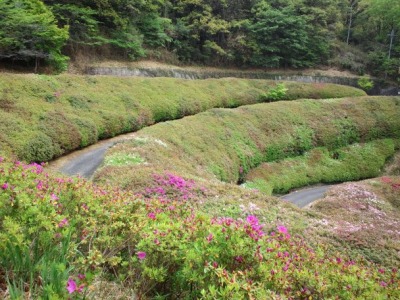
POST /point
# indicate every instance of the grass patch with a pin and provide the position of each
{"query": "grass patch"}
(120, 159)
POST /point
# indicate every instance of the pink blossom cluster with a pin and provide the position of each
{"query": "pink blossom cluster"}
(173, 186)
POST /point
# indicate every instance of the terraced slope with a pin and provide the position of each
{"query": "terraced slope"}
(43, 117)
(225, 144)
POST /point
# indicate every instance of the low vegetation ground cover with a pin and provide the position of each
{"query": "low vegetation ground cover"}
(364, 217)
(43, 117)
(63, 237)
(225, 144)
(320, 165)
(181, 228)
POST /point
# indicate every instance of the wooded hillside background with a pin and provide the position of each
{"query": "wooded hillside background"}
(358, 35)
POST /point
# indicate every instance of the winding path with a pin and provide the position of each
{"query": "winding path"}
(86, 161)
(305, 196)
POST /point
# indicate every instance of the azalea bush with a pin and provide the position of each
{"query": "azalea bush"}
(58, 236)
(47, 116)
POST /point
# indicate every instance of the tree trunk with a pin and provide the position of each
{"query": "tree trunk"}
(36, 64)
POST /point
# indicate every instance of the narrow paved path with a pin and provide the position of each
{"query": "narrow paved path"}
(305, 196)
(86, 161)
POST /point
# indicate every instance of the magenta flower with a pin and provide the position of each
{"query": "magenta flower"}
(239, 259)
(54, 197)
(384, 284)
(152, 215)
(39, 185)
(285, 268)
(4, 186)
(63, 223)
(71, 286)
(210, 237)
(252, 220)
(282, 229)
(141, 255)
(81, 276)
(1, 159)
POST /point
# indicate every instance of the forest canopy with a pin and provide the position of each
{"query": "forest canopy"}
(359, 35)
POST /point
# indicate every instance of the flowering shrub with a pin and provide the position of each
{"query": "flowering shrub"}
(171, 186)
(364, 218)
(58, 235)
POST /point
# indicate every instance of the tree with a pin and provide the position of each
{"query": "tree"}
(281, 38)
(28, 31)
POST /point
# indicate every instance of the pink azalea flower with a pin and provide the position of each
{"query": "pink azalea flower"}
(141, 255)
(252, 220)
(285, 268)
(39, 185)
(81, 276)
(239, 259)
(152, 215)
(71, 286)
(210, 237)
(63, 223)
(282, 229)
(4, 186)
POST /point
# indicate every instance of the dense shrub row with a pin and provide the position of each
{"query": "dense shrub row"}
(42, 117)
(227, 143)
(320, 165)
(60, 237)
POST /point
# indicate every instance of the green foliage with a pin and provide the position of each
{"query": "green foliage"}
(61, 233)
(154, 29)
(28, 31)
(281, 38)
(63, 132)
(350, 163)
(38, 149)
(274, 94)
(365, 83)
(259, 33)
